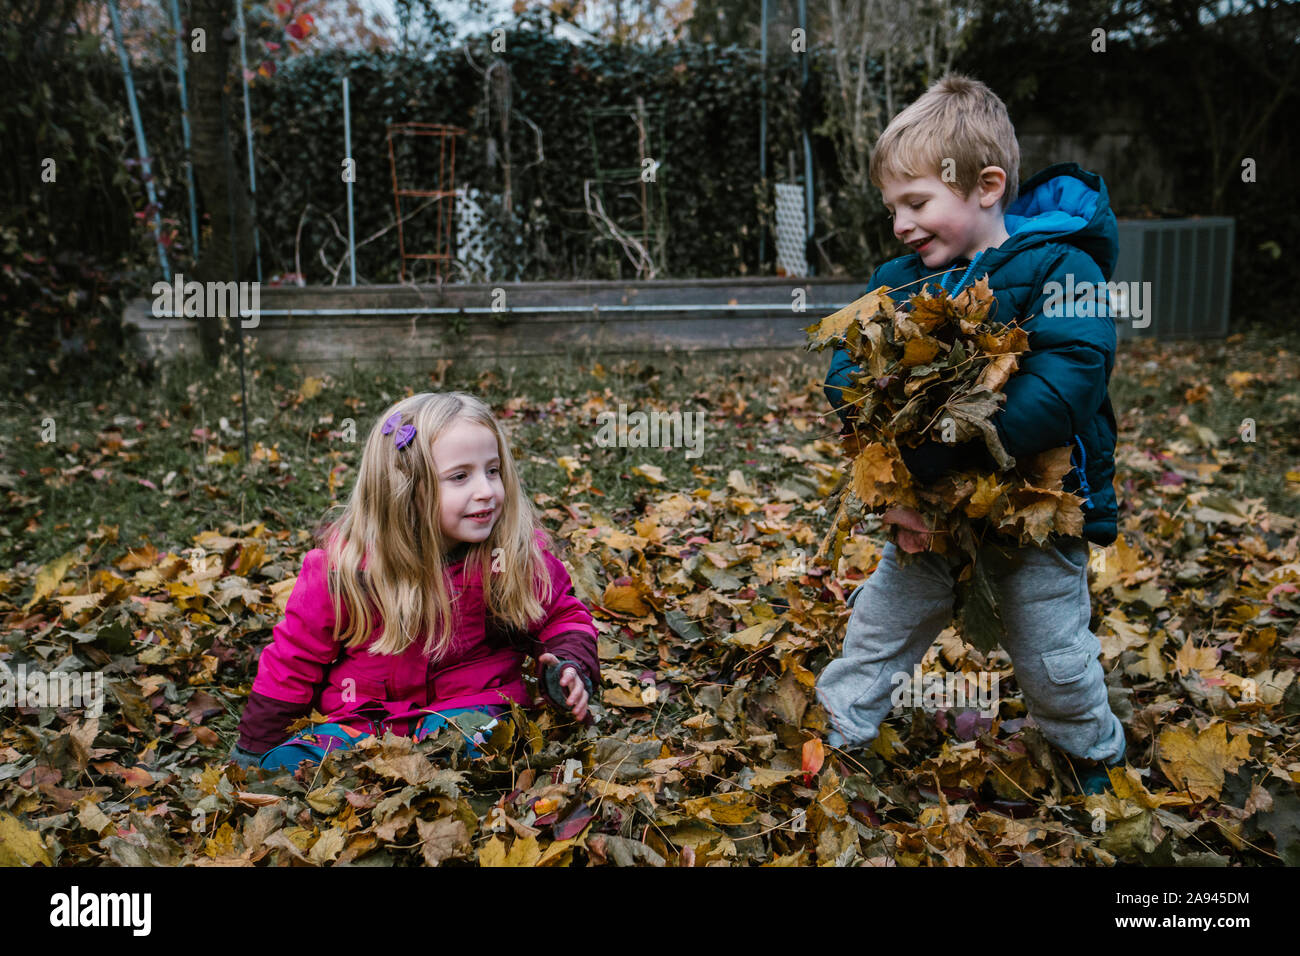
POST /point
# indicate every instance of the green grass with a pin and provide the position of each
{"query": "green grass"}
(49, 512)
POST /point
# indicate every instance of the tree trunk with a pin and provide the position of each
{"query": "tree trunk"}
(216, 170)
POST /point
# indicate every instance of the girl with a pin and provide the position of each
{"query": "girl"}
(439, 581)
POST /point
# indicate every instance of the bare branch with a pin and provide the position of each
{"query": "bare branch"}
(636, 252)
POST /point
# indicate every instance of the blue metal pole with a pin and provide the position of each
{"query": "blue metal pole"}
(248, 133)
(141, 146)
(185, 126)
(347, 152)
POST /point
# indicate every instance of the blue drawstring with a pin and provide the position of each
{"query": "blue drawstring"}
(1082, 470)
(943, 283)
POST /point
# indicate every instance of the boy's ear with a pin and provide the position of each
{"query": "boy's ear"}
(992, 184)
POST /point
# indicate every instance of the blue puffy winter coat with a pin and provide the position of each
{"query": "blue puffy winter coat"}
(1061, 230)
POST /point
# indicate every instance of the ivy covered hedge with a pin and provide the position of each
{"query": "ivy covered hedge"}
(702, 106)
(68, 106)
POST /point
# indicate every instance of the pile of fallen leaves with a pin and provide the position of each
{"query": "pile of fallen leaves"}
(933, 368)
(714, 621)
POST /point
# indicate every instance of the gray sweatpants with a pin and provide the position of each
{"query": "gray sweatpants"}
(1045, 607)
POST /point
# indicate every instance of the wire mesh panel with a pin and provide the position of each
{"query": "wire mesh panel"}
(791, 230)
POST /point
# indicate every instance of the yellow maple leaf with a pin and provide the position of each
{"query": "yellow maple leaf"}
(1192, 658)
(20, 846)
(1151, 665)
(987, 490)
(1069, 515)
(727, 809)
(1197, 762)
(1238, 381)
(620, 540)
(930, 311)
(736, 480)
(1128, 786)
(874, 475)
(49, 577)
(1118, 563)
(767, 777)
(523, 852)
(756, 635)
(74, 604)
(888, 744)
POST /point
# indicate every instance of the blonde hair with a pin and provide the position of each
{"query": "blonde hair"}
(392, 520)
(957, 119)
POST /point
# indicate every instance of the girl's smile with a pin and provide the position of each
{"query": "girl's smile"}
(470, 490)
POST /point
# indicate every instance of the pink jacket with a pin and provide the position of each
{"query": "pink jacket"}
(303, 668)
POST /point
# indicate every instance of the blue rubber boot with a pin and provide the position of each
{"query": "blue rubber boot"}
(1094, 777)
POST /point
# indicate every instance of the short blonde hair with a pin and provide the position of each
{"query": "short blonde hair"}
(957, 119)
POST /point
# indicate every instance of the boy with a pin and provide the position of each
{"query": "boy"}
(947, 169)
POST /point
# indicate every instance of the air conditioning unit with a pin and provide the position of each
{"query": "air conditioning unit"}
(1181, 269)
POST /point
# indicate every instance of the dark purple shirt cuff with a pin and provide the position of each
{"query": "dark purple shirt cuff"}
(266, 720)
(577, 647)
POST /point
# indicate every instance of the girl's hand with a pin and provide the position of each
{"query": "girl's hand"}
(912, 534)
(570, 681)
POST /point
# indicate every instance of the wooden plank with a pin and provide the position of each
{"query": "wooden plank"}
(413, 339)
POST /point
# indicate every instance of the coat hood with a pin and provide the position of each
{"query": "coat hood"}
(1063, 203)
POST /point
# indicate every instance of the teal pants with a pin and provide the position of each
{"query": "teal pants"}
(315, 742)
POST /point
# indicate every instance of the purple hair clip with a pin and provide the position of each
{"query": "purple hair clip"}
(405, 433)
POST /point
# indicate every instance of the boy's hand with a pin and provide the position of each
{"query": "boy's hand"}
(849, 442)
(572, 682)
(931, 460)
(912, 533)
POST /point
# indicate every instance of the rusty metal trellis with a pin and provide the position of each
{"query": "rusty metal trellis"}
(443, 196)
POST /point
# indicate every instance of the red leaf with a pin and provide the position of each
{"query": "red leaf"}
(137, 777)
(814, 755)
(572, 825)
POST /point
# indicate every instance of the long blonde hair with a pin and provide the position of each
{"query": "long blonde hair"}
(392, 520)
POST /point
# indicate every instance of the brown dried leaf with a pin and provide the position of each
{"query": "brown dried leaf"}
(860, 310)
(919, 351)
(995, 375)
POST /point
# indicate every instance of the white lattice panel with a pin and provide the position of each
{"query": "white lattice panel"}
(790, 229)
(471, 243)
